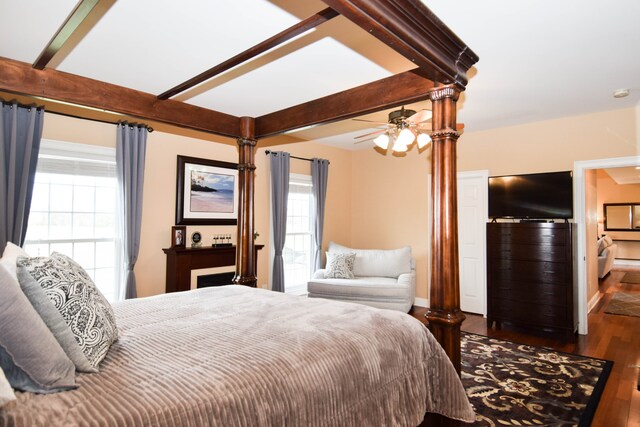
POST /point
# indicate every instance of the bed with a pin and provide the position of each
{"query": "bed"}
(441, 60)
(239, 356)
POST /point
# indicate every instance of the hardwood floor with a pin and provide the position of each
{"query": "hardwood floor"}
(611, 337)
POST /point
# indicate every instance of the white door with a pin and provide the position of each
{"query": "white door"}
(472, 219)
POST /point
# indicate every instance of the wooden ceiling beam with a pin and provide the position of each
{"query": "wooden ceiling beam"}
(20, 78)
(291, 32)
(66, 30)
(389, 92)
(411, 29)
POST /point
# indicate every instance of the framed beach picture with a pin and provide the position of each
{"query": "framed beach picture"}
(207, 192)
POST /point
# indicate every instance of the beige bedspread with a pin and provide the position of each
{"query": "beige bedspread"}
(236, 356)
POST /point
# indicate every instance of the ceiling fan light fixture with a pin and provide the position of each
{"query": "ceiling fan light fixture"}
(382, 141)
(423, 140)
(405, 138)
(398, 147)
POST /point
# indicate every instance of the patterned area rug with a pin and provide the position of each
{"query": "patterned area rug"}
(630, 278)
(512, 384)
(625, 304)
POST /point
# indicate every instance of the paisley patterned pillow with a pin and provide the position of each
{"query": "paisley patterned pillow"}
(71, 290)
(340, 265)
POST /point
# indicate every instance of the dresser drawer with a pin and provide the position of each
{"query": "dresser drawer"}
(530, 252)
(527, 234)
(528, 314)
(528, 271)
(540, 293)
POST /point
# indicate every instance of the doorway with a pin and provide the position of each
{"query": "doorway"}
(579, 191)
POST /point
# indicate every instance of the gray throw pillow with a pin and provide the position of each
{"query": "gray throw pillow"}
(85, 310)
(339, 265)
(30, 356)
(54, 320)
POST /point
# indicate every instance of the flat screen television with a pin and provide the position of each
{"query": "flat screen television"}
(532, 196)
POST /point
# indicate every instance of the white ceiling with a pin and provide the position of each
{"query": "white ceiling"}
(626, 175)
(539, 59)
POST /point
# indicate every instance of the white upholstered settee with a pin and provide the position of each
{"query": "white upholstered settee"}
(381, 279)
(606, 255)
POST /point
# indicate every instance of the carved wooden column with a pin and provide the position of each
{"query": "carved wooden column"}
(444, 315)
(245, 253)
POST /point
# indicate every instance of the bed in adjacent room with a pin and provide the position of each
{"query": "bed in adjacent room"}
(235, 355)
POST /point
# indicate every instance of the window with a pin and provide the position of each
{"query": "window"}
(298, 246)
(73, 209)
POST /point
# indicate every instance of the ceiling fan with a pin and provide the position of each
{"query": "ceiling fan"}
(403, 128)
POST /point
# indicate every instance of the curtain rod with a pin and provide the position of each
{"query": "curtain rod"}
(267, 152)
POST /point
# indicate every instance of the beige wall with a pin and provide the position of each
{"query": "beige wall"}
(390, 205)
(158, 210)
(390, 194)
(337, 221)
(551, 145)
(373, 200)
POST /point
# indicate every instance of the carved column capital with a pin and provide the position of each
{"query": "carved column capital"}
(442, 92)
(247, 141)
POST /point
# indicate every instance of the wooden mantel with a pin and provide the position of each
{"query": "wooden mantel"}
(181, 260)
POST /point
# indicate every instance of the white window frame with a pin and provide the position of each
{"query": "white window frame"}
(301, 288)
(54, 158)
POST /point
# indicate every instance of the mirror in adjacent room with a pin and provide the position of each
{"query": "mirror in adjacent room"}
(622, 216)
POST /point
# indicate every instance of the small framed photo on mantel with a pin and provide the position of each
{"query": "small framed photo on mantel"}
(178, 236)
(207, 192)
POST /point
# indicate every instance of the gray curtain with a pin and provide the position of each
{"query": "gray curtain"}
(279, 197)
(21, 132)
(319, 176)
(130, 154)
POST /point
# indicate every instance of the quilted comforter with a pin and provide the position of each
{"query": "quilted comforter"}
(237, 356)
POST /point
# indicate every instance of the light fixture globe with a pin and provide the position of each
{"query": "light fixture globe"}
(423, 140)
(405, 137)
(382, 141)
(398, 147)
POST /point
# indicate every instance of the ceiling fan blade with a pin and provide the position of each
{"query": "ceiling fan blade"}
(370, 121)
(420, 116)
(378, 132)
(363, 140)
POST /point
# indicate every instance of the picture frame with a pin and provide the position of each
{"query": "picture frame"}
(206, 192)
(178, 236)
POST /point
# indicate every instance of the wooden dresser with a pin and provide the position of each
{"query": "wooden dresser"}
(530, 276)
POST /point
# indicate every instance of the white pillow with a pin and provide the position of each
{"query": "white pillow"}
(339, 265)
(10, 256)
(377, 262)
(6, 392)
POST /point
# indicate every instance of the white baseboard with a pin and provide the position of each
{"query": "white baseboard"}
(626, 262)
(421, 302)
(593, 301)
